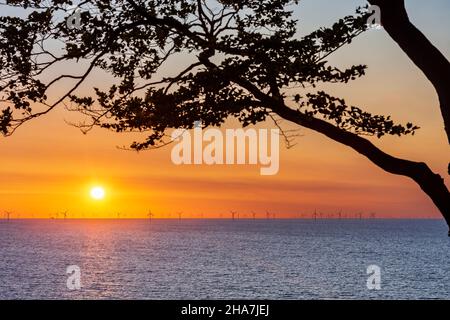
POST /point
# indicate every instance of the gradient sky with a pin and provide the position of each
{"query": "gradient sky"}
(48, 166)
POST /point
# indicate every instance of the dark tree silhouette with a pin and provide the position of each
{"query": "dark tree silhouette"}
(242, 58)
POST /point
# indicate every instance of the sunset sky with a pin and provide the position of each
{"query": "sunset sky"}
(48, 166)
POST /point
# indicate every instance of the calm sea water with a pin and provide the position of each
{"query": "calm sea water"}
(219, 259)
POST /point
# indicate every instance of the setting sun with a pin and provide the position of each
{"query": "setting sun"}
(97, 193)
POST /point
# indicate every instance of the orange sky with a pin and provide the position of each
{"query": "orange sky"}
(48, 166)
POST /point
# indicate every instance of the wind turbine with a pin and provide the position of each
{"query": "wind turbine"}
(8, 215)
(254, 215)
(233, 215)
(315, 214)
(150, 215)
(179, 213)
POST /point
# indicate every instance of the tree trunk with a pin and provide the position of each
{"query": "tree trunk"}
(432, 184)
(420, 50)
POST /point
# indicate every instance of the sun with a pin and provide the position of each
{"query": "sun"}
(97, 193)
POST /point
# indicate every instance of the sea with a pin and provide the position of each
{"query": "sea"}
(224, 259)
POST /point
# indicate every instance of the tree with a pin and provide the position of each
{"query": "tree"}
(243, 61)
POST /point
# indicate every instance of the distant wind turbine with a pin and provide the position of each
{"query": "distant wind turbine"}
(8, 215)
(150, 215)
(233, 215)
